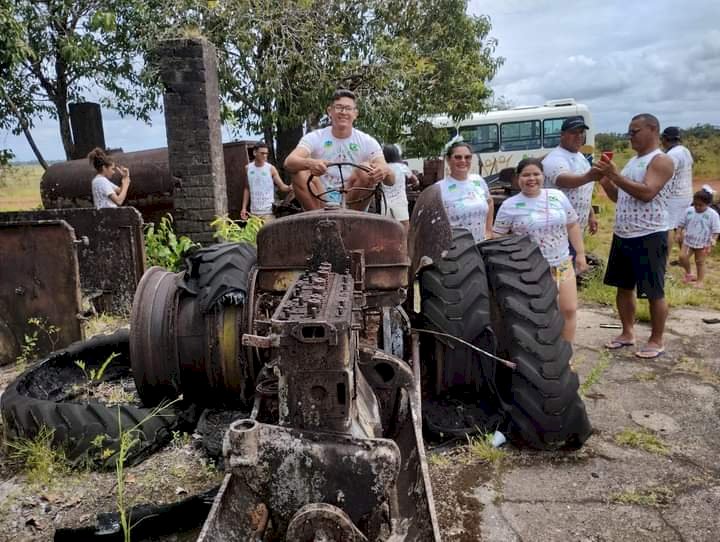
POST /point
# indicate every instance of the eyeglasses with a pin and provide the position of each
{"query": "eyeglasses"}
(461, 157)
(344, 108)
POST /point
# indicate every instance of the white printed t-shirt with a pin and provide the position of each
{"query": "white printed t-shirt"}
(700, 227)
(102, 187)
(560, 161)
(545, 218)
(359, 148)
(262, 188)
(636, 218)
(681, 182)
(466, 203)
(396, 195)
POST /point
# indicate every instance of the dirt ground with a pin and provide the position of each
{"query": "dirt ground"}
(611, 490)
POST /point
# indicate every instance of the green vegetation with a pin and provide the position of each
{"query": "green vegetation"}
(480, 447)
(437, 459)
(643, 440)
(655, 496)
(30, 349)
(20, 188)
(595, 373)
(163, 247)
(227, 229)
(43, 463)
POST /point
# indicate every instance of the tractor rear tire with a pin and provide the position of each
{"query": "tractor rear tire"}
(541, 395)
(38, 399)
(455, 301)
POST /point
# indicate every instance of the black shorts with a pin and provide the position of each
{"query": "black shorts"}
(639, 262)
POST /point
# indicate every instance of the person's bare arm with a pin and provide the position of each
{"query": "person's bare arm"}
(610, 188)
(278, 181)
(245, 201)
(571, 180)
(659, 172)
(380, 171)
(576, 240)
(118, 197)
(489, 219)
(300, 160)
(592, 222)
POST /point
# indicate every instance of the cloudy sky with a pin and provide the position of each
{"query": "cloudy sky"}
(620, 57)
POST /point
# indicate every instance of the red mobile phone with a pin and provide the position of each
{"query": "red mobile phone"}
(607, 155)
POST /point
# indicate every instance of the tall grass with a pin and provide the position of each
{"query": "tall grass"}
(20, 188)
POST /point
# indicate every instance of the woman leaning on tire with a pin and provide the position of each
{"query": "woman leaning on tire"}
(548, 217)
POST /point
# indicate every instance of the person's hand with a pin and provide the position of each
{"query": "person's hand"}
(605, 167)
(125, 172)
(125, 181)
(244, 214)
(581, 264)
(592, 225)
(377, 174)
(317, 167)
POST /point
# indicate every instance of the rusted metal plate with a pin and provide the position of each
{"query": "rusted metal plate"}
(39, 278)
(113, 260)
(285, 244)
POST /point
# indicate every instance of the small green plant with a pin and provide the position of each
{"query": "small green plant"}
(595, 373)
(437, 459)
(30, 348)
(481, 447)
(163, 247)
(94, 375)
(180, 439)
(227, 229)
(646, 497)
(643, 440)
(42, 462)
(129, 438)
(645, 376)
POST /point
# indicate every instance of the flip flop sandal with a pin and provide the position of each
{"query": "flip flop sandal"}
(650, 352)
(618, 343)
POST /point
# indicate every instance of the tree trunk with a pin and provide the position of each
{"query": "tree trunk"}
(26, 129)
(64, 122)
(287, 140)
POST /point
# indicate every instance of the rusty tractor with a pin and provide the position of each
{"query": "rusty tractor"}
(308, 336)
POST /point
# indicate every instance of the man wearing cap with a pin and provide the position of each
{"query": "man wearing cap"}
(567, 168)
(680, 191)
(639, 249)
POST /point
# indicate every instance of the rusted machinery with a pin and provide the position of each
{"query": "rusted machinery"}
(67, 184)
(313, 342)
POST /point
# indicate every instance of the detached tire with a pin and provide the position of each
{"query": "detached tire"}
(37, 399)
(541, 395)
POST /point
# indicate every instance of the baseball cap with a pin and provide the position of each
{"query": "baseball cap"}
(572, 123)
(671, 132)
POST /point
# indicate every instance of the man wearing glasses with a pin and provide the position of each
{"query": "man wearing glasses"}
(640, 237)
(339, 142)
(262, 178)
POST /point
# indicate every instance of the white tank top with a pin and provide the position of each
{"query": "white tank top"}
(262, 189)
(636, 218)
(681, 184)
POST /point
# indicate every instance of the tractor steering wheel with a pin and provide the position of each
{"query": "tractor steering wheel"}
(342, 190)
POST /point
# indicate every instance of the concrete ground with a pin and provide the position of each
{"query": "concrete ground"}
(651, 470)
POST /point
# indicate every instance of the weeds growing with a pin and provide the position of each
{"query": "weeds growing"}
(481, 447)
(42, 462)
(642, 440)
(595, 373)
(227, 229)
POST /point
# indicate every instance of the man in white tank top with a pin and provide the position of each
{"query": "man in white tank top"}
(680, 195)
(262, 178)
(640, 241)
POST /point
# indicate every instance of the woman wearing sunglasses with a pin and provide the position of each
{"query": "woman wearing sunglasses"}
(466, 196)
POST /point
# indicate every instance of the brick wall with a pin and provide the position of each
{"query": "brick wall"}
(188, 69)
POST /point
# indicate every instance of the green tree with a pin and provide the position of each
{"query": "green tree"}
(68, 50)
(280, 62)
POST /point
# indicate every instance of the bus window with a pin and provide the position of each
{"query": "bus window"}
(551, 132)
(520, 136)
(482, 138)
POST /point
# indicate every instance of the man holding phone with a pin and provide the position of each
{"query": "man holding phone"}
(640, 236)
(567, 168)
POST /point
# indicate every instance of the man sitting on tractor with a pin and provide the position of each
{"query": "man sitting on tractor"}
(339, 142)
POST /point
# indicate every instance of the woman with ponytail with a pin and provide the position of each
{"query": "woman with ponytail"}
(105, 193)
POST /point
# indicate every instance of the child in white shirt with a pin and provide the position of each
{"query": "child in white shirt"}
(699, 230)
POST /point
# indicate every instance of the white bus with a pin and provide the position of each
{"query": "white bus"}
(502, 138)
